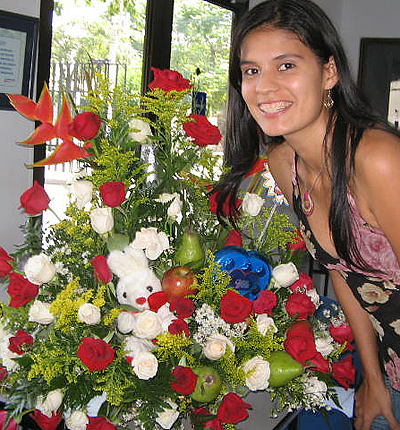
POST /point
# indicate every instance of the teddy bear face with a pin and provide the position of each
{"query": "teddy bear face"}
(135, 289)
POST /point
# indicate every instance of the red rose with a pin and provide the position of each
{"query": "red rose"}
(95, 353)
(214, 424)
(3, 374)
(21, 290)
(99, 423)
(213, 199)
(102, 272)
(3, 419)
(301, 305)
(5, 267)
(298, 243)
(4, 253)
(44, 422)
(342, 334)
(183, 307)
(301, 346)
(168, 80)
(203, 132)
(19, 342)
(179, 326)
(186, 380)
(304, 283)
(233, 409)
(85, 126)
(265, 302)
(234, 307)
(34, 200)
(320, 363)
(113, 193)
(234, 238)
(298, 327)
(156, 300)
(344, 372)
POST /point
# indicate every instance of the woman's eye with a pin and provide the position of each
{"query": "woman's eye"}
(285, 66)
(250, 71)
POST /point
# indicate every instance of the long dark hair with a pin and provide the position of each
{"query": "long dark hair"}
(352, 113)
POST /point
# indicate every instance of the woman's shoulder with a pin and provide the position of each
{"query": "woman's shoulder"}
(378, 153)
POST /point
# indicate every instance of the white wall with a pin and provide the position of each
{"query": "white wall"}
(14, 177)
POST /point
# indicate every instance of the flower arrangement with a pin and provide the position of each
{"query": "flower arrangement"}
(138, 306)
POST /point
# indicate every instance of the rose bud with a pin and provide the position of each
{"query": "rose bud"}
(85, 126)
(34, 200)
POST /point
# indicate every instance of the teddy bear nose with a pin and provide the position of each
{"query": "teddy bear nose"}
(141, 300)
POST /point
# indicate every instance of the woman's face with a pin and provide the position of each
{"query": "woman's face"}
(283, 83)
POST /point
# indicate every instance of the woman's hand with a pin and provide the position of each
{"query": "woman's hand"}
(371, 400)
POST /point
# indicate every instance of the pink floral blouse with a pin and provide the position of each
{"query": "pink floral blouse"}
(378, 293)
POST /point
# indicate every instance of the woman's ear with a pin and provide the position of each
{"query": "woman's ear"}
(331, 73)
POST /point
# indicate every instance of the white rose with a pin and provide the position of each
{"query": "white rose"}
(126, 322)
(102, 220)
(145, 365)
(165, 197)
(151, 241)
(285, 274)
(324, 345)
(147, 325)
(265, 324)
(39, 269)
(83, 191)
(257, 373)
(134, 345)
(167, 417)
(51, 404)
(215, 346)
(166, 316)
(316, 389)
(252, 204)
(40, 313)
(77, 421)
(314, 296)
(89, 314)
(140, 130)
(175, 207)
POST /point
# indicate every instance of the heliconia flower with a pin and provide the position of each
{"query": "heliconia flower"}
(43, 111)
(65, 152)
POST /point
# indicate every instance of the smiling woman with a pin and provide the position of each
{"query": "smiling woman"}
(293, 100)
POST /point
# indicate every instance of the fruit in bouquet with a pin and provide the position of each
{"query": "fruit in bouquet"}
(283, 368)
(179, 282)
(208, 384)
(190, 252)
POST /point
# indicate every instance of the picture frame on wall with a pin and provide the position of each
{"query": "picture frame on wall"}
(18, 49)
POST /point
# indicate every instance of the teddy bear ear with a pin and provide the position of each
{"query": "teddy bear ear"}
(137, 257)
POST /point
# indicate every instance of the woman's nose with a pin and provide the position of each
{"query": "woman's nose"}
(266, 82)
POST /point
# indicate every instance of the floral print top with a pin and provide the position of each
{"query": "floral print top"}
(378, 294)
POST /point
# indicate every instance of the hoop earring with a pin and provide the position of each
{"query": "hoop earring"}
(328, 103)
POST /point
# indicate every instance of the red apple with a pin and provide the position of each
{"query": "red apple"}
(177, 282)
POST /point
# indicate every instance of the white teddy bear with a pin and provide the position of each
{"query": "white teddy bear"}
(136, 280)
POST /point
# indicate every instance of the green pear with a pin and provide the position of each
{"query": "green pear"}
(190, 252)
(208, 384)
(117, 242)
(283, 368)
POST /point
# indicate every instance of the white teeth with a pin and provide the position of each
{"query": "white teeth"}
(274, 107)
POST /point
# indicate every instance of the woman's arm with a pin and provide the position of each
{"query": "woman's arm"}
(372, 398)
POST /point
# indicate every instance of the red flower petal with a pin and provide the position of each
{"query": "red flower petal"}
(44, 107)
(43, 133)
(23, 105)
